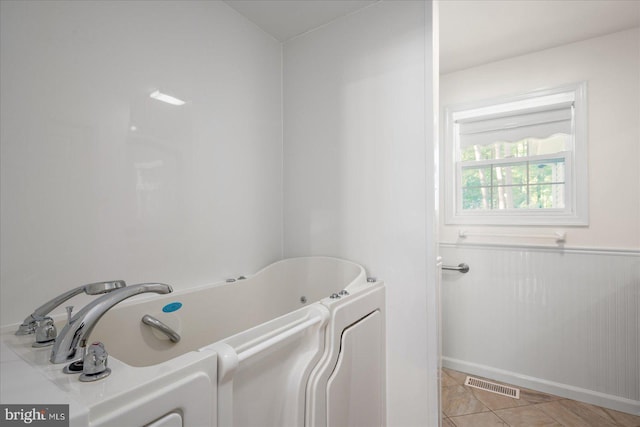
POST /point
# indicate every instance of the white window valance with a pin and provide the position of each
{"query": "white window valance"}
(538, 122)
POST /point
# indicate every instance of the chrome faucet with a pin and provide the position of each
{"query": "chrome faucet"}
(31, 322)
(76, 333)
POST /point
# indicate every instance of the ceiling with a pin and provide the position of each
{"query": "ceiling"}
(472, 32)
(478, 32)
(285, 19)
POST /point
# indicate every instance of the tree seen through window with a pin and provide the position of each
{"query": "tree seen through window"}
(507, 175)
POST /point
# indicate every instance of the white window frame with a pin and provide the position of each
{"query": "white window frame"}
(576, 208)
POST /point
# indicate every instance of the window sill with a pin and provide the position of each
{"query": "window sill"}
(518, 219)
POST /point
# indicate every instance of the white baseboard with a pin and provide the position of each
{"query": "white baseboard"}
(563, 390)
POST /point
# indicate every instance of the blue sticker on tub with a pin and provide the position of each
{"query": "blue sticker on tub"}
(171, 307)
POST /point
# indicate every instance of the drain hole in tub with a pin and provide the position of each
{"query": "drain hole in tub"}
(303, 299)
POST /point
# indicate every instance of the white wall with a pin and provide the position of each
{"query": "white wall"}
(195, 193)
(190, 197)
(562, 320)
(358, 156)
(611, 66)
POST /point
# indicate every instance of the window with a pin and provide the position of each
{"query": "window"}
(519, 160)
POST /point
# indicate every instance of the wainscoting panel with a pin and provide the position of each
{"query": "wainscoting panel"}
(565, 322)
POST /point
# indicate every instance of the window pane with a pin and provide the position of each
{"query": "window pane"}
(527, 147)
(477, 152)
(511, 197)
(554, 144)
(520, 197)
(476, 177)
(526, 185)
(476, 198)
(547, 171)
(505, 150)
(546, 196)
(512, 174)
(497, 150)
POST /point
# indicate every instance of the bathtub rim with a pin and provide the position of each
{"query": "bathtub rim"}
(60, 318)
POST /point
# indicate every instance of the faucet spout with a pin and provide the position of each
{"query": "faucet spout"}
(76, 333)
(28, 326)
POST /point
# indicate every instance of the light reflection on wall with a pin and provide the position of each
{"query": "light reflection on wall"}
(159, 136)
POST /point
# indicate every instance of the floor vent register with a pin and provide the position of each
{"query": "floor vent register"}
(493, 387)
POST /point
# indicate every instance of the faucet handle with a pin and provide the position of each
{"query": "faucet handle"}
(69, 309)
(95, 363)
(46, 332)
(26, 328)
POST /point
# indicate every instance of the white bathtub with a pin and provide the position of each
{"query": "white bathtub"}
(285, 353)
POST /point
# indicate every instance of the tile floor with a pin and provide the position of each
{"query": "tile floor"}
(464, 406)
